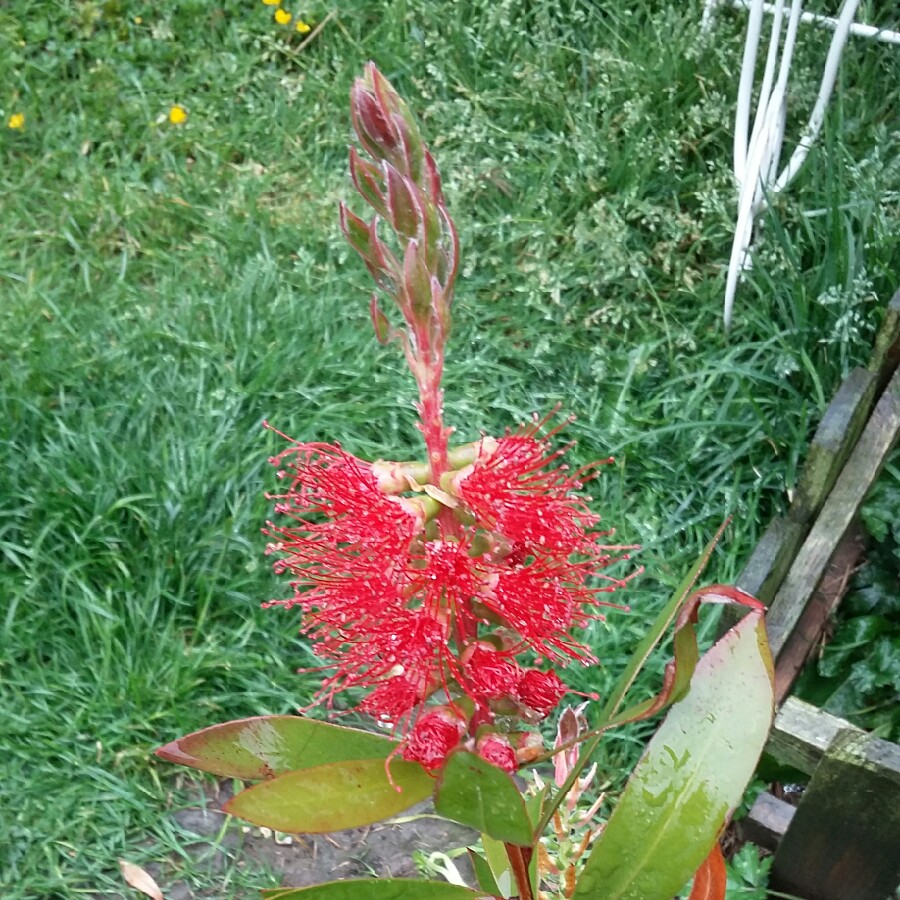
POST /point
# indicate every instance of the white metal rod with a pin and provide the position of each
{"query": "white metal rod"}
(857, 28)
(765, 91)
(745, 89)
(817, 117)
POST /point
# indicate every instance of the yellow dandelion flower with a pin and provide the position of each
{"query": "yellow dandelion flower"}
(16, 121)
(272, 2)
(283, 17)
(178, 115)
(302, 27)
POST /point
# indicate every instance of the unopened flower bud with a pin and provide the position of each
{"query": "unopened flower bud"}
(498, 751)
(433, 736)
(384, 123)
(529, 745)
(540, 691)
(492, 675)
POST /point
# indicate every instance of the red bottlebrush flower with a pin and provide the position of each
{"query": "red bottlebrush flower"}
(490, 674)
(512, 490)
(392, 700)
(433, 736)
(496, 749)
(339, 509)
(540, 691)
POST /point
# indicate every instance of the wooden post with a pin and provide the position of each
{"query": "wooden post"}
(835, 437)
(886, 353)
(842, 839)
(858, 475)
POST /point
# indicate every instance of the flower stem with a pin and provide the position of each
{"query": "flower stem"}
(519, 860)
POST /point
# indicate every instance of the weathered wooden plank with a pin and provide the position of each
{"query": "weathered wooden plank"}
(767, 822)
(886, 353)
(853, 483)
(807, 635)
(765, 570)
(844, 836)
(768, 564)
(835, 437)
(802, 733)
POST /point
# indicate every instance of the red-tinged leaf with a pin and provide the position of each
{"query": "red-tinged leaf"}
(358, 233)
(416, 281)
(657, 630)
(380, 889)
(711, 878)
(473, 792)
(691, 776)
(369, 181)
(380, 321)
(332, 797)
(265, 746)
(677, 675)
(403, 209)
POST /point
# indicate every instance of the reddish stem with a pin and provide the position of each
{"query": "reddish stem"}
(519, 860)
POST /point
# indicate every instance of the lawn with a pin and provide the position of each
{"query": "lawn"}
(165, 286)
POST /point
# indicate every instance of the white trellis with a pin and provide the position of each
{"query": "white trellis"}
(757, 153)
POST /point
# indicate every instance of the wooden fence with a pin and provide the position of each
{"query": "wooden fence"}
(843, 840)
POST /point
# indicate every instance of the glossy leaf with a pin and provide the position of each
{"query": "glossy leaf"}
(682, 608)
(691, 776)
(657, 630)
(711, 879)
(372, 889)
(266, 746)
(678, 673)
(332, 797)
(473, 792)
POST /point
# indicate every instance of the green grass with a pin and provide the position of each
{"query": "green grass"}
(165, 289)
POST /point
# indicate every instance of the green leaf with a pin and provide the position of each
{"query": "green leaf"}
(265, 746)
(692, 775)
(339, 795)
(475, 793)
(372, 889)
(854, 639)
(483, 874)
(656, 631)
(500, 866)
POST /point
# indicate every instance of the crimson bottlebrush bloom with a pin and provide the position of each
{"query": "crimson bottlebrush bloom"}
(496, 749)
(490, 674)
(381, 599)
(540, 691)
(514, 489)
(337, 501)
(415, 578)
(433, 736)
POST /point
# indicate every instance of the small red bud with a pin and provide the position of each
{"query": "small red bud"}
(498, 751)
(540, 691)
(433, 736)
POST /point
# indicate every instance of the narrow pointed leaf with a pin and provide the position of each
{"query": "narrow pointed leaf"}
(657, 630)
(495, 853)
(473, 792)
(483, 874)
(265, 746)
(692, 775)
(332, 797)
(371, 889)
